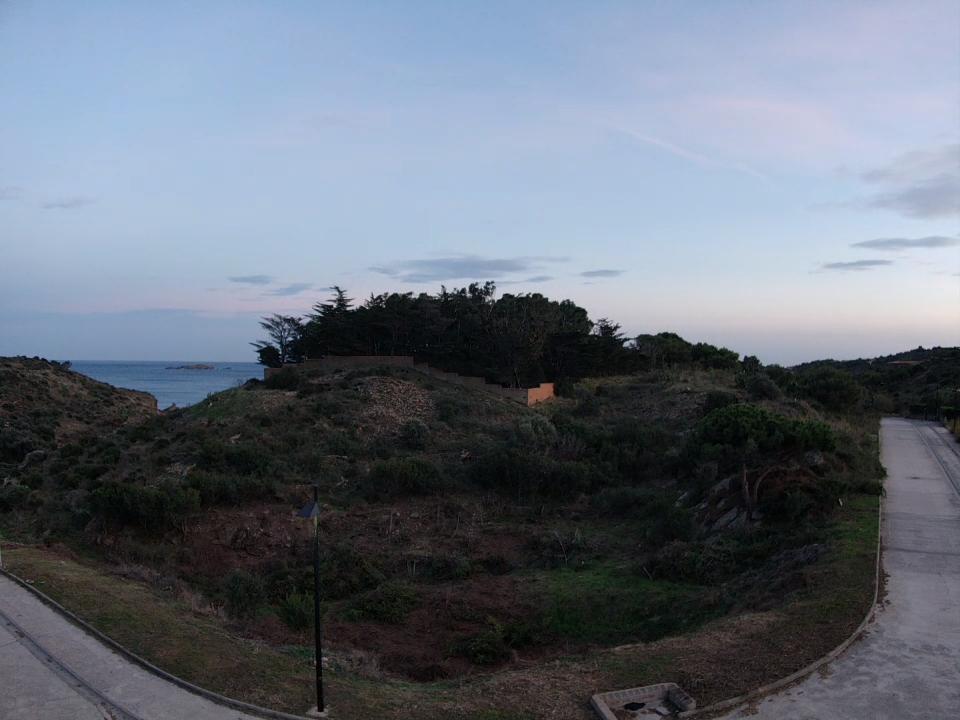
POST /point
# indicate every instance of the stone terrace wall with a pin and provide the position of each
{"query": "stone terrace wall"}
(524, 396)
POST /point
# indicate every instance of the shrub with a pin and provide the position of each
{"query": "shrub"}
(345, 572)
(390, 603)
(730, 434)
(442, 568)
(160, 507)
(761, 387)
(245, 593)
(524, 475)
(13, 497)
(296, 610)
(710, 356)
(286, 379)
(401, 477)
(414, 434)
(534, 433)
(219, 489)
(834, 389)
(717, 399)
(488, 647)
(699, 563)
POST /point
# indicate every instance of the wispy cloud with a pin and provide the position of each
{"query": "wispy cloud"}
(855, 265)
(601, 273)
(536, 279)
(465, 267)
(288, 290)
(10, 192)
(67, 203)
(919, 184)
(929, 242)
(686, 153)
(251, 279)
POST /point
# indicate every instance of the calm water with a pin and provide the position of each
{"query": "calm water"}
(167, 384)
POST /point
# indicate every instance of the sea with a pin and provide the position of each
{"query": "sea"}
(171, 382)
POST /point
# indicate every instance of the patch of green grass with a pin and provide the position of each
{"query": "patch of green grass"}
(167, 633)
(610, 603)
(223, 405)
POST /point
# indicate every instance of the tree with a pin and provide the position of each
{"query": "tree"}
(285, 332)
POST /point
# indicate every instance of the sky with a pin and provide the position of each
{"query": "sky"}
(782, 178)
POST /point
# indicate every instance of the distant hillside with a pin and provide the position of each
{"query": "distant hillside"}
(44, 405)
(919, 382)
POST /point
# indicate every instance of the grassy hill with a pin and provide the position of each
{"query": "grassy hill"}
(461, 531)
(44, 406)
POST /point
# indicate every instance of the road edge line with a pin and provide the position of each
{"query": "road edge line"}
(803, 672)
(146, 664)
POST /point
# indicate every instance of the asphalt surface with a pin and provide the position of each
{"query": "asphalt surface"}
(907, 665)
(52, 670)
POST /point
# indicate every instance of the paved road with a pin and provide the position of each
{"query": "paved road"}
(907, 666)
(52, 670)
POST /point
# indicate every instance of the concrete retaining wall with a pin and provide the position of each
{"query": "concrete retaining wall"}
(524, 396)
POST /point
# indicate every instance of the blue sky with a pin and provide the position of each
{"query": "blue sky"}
(171, 171)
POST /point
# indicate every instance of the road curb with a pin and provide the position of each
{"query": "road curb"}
(818, 663)
(146, 664)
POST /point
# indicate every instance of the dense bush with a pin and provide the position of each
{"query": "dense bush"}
(710, 356)
(414, 434)
(760, 387)
(246, 458)
(13, 497)
(717, 399)
(296, 610)
(391, 602)
(488, 647)
(525, 476)
(287, 379)
(345, 572)
(220, 489)
(400, 477)
(244, 593)
(730, 435)
(834, 389)
(159, 507)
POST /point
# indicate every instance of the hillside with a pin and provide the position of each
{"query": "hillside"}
(920, 382)
(462, 531)
(45, 406)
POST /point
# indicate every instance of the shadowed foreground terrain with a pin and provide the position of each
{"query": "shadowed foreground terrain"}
(464, 534)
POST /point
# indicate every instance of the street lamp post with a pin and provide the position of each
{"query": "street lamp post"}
(311, 511)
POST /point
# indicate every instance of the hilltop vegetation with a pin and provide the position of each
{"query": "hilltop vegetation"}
(43, 406)
(920, 382)
(463, 531)
(512, 339)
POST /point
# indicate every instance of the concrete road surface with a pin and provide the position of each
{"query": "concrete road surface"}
(52, 670)
(907, 665)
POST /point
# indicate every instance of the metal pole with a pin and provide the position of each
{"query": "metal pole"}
(318, 631)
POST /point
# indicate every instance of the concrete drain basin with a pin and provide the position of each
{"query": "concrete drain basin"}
(666, 700)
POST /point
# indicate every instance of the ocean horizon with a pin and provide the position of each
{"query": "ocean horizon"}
(171, 382)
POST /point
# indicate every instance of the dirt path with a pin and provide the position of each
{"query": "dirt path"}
(52, 670)
(908, 663)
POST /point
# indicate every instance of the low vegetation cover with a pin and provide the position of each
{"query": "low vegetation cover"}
(678, 487)
(462, 532)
